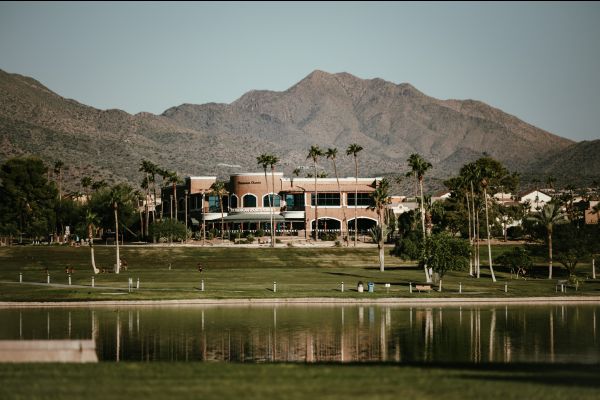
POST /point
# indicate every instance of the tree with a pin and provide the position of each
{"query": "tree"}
(314, 153)
(354, 149)
(548, 217)
(218, 188)
(331, 154)
(445, 253)
(58, 167)
(380, 198)
(120, 197)
(175, 180)
(27, 199)
(418, 167)
(273, 160)
(91, 220)
(264, 160)
(517, 259)
(86, 183)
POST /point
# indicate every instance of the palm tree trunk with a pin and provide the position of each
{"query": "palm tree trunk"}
(427, 277)
(355, 199)
(470, 237)
(344, 222)
(272, 222)
(270, 203)
(380, 245)
(487, 226)
(222, 226)
(477, 259)
(316, 232)
(175, 201)
(549, 254)
(91, 238)
(118, 264)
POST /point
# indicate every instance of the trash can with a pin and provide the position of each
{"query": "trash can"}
(360, 288)
(371, 287)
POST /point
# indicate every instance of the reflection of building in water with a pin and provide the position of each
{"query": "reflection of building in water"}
(320, 334)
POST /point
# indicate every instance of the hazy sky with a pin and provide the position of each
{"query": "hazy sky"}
(538, 61)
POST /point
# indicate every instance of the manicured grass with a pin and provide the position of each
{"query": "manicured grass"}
(236, 272)
(297, 381)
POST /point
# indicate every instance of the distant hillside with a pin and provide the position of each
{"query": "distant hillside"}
(578, 164)
(390, 121)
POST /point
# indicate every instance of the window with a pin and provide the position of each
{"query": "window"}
(326, 199)
(213, 204)
(275, 200)
(233, 201)
(364, 199)
(294, 201)
(249, 200)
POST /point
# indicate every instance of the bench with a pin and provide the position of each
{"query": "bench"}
(563, 284)
(424, 288)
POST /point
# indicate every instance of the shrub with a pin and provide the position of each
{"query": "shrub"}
(514, 232)
(168, 229)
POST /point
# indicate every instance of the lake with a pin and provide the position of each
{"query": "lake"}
(473, 334)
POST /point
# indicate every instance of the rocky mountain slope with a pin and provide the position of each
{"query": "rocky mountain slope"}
(389, 120)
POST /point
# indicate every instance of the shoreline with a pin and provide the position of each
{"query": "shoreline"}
(316, 301)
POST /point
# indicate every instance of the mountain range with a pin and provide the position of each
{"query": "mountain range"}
(391, 121)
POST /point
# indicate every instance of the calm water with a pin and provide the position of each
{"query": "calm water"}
(315, 334)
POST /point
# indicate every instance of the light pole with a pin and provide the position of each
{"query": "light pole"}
(186, 219)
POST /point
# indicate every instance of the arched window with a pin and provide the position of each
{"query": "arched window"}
(275, 200)
(249, 200)
(233, 201)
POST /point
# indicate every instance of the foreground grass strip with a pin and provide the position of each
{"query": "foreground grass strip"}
(297, 381)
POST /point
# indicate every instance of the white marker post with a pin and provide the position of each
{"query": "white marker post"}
(410, 287)
(202, 286)
(459, 287)
(593, 268)
(505, 287)
(342, 287)
(137, 285)
(20, 277)
(93, 283)
(129, 283)
(69, 279)
(274, 287)
(48, 279)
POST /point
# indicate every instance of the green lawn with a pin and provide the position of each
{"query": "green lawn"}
(237, 272)
(297, 381)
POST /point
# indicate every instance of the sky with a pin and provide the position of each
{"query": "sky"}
(537, 61)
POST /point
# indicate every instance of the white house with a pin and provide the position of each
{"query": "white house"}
(535, 199)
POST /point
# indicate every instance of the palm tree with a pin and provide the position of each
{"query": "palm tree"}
(58, 167)
(380, 198)
(331, 154)
(174, 179)
(419, 166)
(91, 219)
(486, 175)
(119, 196)
(218, 188)
(354, 149)
(150, 170)
(470, 173)
(272, 161)
(550, 215)
(314, 153)
(86, 182)
(264, 160)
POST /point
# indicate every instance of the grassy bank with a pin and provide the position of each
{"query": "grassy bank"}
(297, 381)
(171, 273)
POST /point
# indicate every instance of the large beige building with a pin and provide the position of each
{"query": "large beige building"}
(250, 199)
